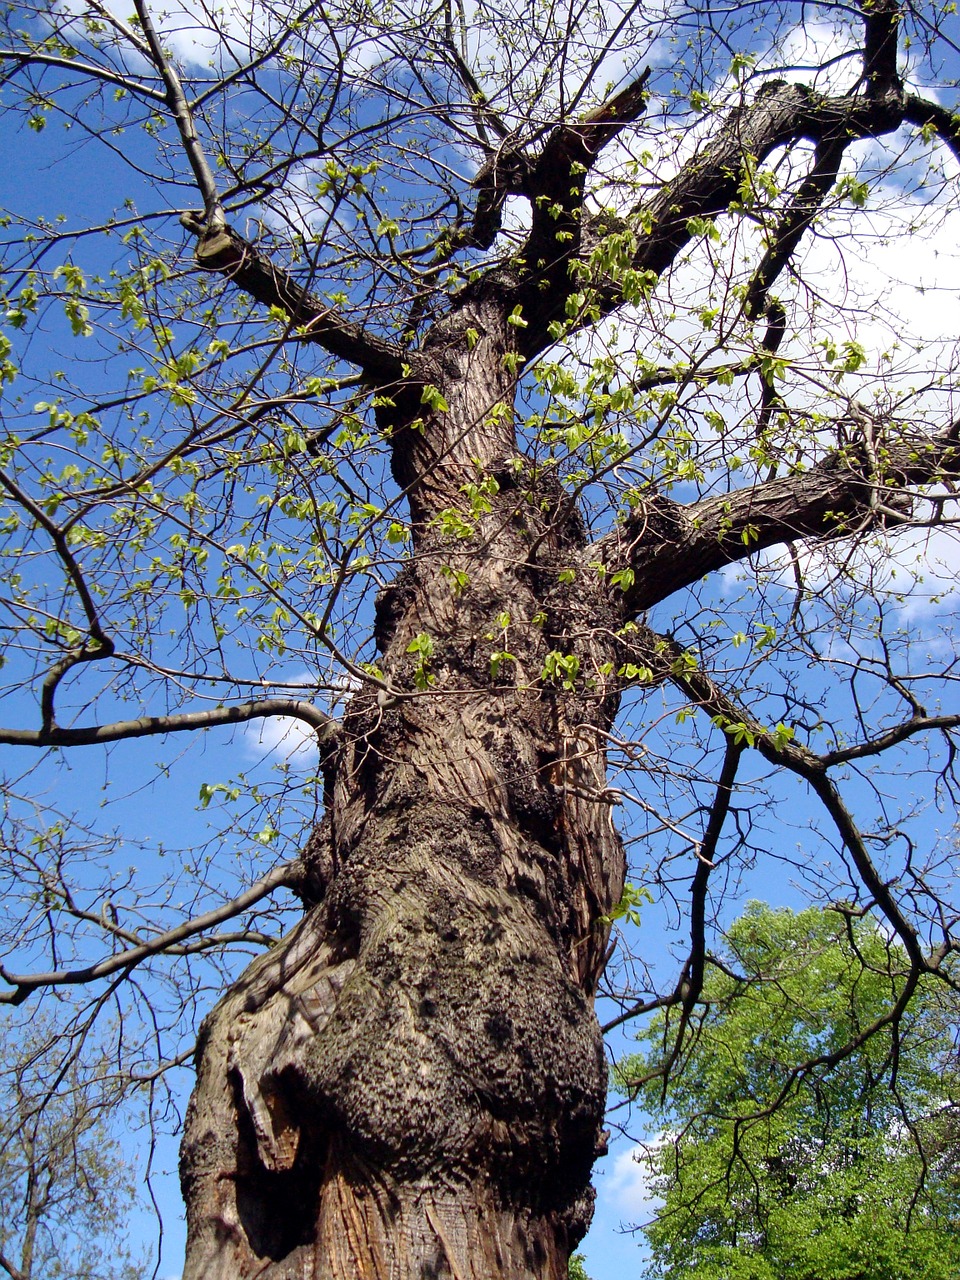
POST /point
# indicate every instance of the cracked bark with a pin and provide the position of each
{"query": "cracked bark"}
(412, 1083)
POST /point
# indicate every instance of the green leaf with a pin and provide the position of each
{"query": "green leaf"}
(561, 667)
(433, 397)
(628, 908)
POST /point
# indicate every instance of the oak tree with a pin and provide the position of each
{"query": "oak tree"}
(498, 391)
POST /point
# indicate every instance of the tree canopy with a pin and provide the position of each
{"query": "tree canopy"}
(547, 415)
(772, 1157)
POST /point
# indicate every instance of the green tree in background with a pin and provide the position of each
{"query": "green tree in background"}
(784, 1160)
(576, 1268)
(66, 1191)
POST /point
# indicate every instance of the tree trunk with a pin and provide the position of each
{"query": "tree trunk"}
(412, 1083)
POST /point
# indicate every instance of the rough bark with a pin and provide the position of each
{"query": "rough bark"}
(412, 1083)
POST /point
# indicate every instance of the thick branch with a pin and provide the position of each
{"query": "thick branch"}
(148, 726)
(555, 188)
(14, 1272)
(670, 546)
(798, 218)
(24, 984)
(557, 181)
(711, 181)
(122, 28)
(553, 183)
(225, 252)
(881, 26)
(930, 115)
(709, 184)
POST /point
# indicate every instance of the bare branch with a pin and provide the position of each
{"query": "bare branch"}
(183, 116)
(13, 1272)
(483, 112)
(706, 186)
(729, 713)
(23, 984)
(149, 726)
(641, 1008)
(293, 24)
(222, 250)
(226, 253)
(899, 733)
(877, 887)
(102, 642)
(881, 24)
(98, 644)
(22, 59)
(690, 986)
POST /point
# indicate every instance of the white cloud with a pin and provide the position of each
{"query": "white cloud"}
(627, 1186)
(281, 738)
(224, 35)
(916, 571)
(931, 559)
(297, 206)
(515, 49)
(891, 267)
(194, 35)
(817, 54)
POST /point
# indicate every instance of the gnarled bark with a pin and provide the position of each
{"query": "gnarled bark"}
(412, 1083)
